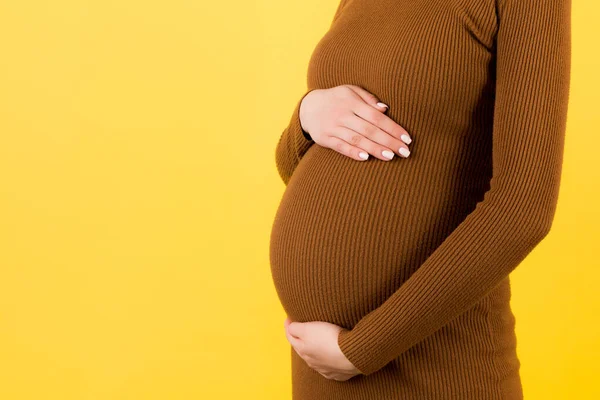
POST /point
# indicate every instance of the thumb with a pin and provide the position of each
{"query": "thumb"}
(368, 97)
(296, 329)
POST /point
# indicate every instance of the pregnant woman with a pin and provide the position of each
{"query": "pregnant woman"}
(393, 266)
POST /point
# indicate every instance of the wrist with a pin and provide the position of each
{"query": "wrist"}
(302, 116)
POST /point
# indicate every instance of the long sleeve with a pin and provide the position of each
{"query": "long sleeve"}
(533, 46)
(294, 142)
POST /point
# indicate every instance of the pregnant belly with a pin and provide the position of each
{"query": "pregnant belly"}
(347, 233)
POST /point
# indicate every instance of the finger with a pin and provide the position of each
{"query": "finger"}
(296, 329)
(383, 122)
(368, 97)
(295, 342)
(341, 377)
(361, 143)
(378, 140)
(345, 148)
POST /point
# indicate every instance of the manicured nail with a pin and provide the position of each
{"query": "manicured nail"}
(388, 154)
(404, 151)
(380, 104)
(406, 139)
(363, 155)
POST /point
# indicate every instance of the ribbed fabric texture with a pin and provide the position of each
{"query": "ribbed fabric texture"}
(412, 256)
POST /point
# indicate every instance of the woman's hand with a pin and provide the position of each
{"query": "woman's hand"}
(351, 121)
(317, 343)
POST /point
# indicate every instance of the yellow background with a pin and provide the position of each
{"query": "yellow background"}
(138, 187)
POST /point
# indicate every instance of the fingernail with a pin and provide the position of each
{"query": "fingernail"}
(388, 154)
(406, 139)
(404, 151)
(363, 155)
(380, 104)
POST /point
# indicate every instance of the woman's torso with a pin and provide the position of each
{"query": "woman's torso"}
(348, 233)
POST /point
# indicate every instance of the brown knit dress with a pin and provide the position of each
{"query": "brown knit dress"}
(412, 256)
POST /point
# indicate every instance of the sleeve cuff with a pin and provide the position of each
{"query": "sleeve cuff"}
(352, 347)
(302, 139)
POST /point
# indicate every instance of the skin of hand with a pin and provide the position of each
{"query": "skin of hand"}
(317, 343)
(352, 121)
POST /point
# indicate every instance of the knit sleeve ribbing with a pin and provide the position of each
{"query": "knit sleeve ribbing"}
(533, 51)
(294, 142)
(292, 145)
